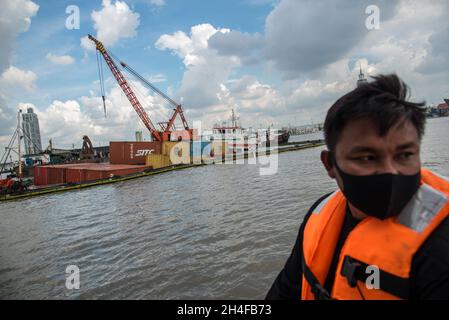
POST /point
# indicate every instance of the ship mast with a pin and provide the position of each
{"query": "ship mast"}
(233, 120)
(18, 142)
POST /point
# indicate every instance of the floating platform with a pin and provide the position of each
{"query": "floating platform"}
(147, 171)
(81, 172)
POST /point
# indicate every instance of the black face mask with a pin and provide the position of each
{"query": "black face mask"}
(379, 195)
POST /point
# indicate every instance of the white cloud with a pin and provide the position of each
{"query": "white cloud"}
(87, 44)
(191, 49)
(306, 36)
(179, 43)
(63, 60)
(64, 122)
(67, 121)
(15, 17)
(13, 78)
(205, 70)
(158, 3)
(209, 93)
(250, 95)
(157, 78)
(317, 49)
(113, 22)
(246, 46)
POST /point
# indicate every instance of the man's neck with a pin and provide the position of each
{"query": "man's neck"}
(356, 213)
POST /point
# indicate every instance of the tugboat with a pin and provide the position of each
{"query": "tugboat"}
(240, 138)
(231, 132)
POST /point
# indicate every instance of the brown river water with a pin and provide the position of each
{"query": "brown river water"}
(213, 232)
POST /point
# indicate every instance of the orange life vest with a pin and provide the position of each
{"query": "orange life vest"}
(378, 251)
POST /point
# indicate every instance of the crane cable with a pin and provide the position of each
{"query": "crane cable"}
(142, 97)
(7, 151)
(100, 75)
(151, 86)
(145, 83)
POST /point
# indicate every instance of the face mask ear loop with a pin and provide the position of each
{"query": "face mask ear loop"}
(333, 161)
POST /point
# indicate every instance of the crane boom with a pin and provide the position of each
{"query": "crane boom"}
(147, 83)
(178, 107)
(126, 89)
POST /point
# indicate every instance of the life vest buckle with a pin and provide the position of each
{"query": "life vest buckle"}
(349, 269)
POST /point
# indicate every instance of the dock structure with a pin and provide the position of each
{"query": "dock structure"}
(306, 129)
(293, 146)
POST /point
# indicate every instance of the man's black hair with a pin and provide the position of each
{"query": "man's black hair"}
(383, 100)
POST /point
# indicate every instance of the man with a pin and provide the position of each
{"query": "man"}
(385, 233)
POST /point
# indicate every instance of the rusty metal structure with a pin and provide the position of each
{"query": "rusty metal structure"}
(87, 151)
(165, 127)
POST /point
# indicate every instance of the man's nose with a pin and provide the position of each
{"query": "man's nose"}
(387, 165)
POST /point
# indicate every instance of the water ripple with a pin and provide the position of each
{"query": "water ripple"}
(210, 232)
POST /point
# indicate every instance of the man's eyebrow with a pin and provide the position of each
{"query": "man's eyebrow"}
(367, 149)
(407, 145)
(360, 149)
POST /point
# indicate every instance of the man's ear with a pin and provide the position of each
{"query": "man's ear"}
(327, 162)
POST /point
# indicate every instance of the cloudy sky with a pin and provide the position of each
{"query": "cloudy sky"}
(276, 62)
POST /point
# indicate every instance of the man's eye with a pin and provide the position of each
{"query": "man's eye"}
(365, 158)
(405, 155)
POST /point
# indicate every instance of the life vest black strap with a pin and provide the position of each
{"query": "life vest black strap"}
(354, 270)
(318, 290)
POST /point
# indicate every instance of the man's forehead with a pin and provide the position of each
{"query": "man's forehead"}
(365, 133)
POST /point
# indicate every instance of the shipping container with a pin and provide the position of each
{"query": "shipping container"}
(56, 175)
(75, 175)
(40, 175)
(91, 175)
(81, 172)
(50, 174)
(132, 152)
(177, 151)
(157, 161)
(105, 171)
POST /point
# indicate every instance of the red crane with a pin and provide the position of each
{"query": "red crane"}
(166, 127)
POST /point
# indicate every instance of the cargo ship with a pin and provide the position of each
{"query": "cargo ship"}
(239, 138)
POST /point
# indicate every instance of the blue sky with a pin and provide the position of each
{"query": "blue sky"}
(47, 33)
(278, 62)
